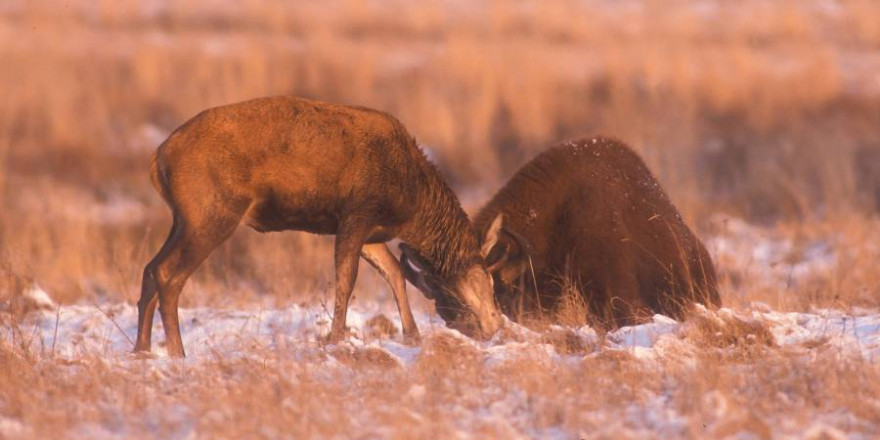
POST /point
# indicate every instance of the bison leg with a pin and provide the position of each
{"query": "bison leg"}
(384, 261)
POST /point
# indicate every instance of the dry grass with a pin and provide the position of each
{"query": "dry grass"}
(766, 114)
(699, 385)
(765, 111)
(816, 264)
(760, 111)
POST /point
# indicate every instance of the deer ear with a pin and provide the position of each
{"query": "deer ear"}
(515, 249)
(492, 235)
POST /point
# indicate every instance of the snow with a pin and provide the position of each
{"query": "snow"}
(11, 428)
(857, 335)
(85, 331)
(766, 258)
(645, 335)
(38, 298)
(109, 330)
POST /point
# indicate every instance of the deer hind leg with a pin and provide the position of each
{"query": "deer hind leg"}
(164, 278)
(349, 240)
(381, 258)
(150, 293)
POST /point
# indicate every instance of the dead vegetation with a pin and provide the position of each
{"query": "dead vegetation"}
(756, 110)
(764, 114)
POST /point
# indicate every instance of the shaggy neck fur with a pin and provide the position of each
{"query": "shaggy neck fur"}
(441, 231)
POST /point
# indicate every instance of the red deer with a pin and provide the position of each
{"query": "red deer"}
(285, 163)
(592, 213)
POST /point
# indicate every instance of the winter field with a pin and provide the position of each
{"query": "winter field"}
(760, 119)
(747, 371)
(746, 374)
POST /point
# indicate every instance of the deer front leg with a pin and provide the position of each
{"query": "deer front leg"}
(347, 253)
(381, 258)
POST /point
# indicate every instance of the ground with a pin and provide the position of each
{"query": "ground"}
(759, 119)
(746, 372)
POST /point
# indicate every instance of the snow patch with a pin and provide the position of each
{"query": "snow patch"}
(87, 333)
(37, 298)
(764, 257)
(108, 331)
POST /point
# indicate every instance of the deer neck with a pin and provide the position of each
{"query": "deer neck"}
(441, 231)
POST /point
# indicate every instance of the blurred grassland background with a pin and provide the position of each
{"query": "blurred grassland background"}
(766, 111)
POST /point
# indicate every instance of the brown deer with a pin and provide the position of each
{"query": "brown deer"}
(285, 163)
(590, 212)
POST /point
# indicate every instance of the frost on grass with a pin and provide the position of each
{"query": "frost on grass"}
(766, 258)
(745, 372)
(660, 379)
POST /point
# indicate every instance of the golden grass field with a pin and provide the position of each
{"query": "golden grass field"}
(761, 119)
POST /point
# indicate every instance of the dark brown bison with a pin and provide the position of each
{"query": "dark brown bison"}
(293, 164)
(589, 214)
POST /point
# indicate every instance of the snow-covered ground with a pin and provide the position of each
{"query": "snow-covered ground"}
(73, 332)
(802, 366)
(766, 258)
(751, 371)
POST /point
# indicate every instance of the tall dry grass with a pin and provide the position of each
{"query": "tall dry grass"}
(766, 111)
(714, 380)
(763, 110)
